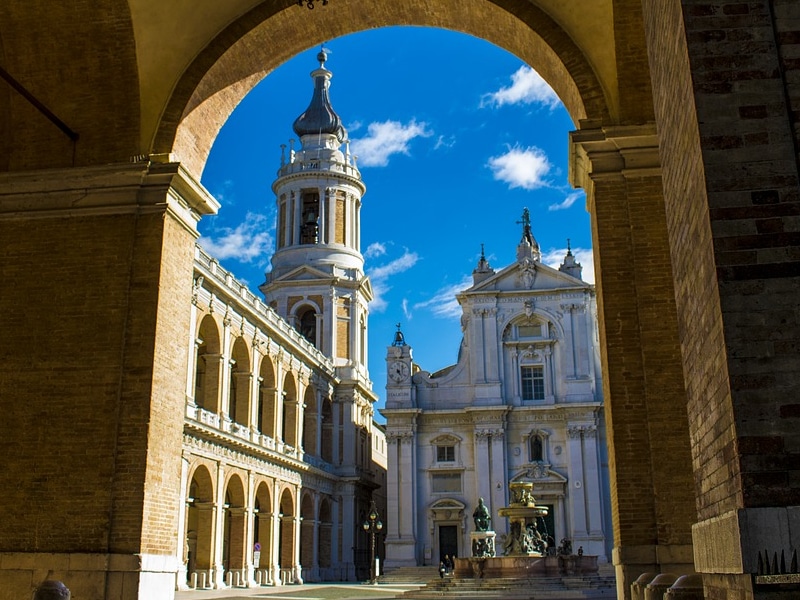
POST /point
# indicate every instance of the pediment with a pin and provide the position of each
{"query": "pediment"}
(303, 273)
(527, 275)
(538, 474)
(448, 504)
(446, 440)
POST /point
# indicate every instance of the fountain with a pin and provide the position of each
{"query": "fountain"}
(525, 548)
(524, 537)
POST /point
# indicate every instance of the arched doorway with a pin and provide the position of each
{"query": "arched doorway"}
(239, 385)
(287, 544)
(200, 529)
(234, 536)
(685, 245)
(262, 534)
(208, 366)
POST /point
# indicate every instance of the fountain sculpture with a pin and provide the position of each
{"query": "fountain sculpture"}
(525, 547)
(524, 537)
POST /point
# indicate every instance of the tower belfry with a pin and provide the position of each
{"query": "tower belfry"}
(317, 282)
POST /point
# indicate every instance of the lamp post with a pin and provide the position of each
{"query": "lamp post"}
(372, 526)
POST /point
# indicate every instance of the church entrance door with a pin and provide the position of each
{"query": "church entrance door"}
(448, 541)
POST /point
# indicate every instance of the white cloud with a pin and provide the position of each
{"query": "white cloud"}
(379, 277)
(527, 87)
(247, 242)
(445, 142)
(443, 303)
(521, 167)
(566, 202)
(375, 249)
(554, 258)
(385, 139)
(406, 311)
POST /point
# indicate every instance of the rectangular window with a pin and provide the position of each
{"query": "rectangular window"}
(530, 331)
(445, 453)
(533, 383)
(446, 483)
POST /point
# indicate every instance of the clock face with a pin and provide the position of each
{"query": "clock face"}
(398, 371)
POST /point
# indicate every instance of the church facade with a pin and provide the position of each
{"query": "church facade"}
(282, 459)
(523, 402)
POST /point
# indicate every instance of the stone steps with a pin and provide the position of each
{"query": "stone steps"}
(540, 588)
(419, 575)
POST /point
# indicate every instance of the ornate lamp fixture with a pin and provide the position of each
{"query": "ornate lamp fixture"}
(372, 526)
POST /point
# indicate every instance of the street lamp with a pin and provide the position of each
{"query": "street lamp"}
(372, 525)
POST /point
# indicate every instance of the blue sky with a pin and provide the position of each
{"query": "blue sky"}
(454, 137)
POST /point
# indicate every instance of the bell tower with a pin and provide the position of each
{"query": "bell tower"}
(317, 282)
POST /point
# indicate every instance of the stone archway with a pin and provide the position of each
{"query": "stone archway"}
(692, 222)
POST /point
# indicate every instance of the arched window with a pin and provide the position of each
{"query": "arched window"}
(307, 325)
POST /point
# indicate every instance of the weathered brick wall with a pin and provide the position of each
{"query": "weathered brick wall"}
(746, 156)
(731, 183)
(77, 58)
(652, 498)
(60, 376)
(94, 426)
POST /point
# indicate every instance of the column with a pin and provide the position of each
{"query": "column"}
(314, 566)
(318, 442)
(399, 522)
(643, 375)
(225, 375)
(324, 200)
(482, 440)
(499, 474)
(182, 515)
(492, 358)
(298, 220)
(194, 344)
(336, 527)
(297, 520)
(591, 480)
(250, 517)
(253, 393)
(348, 530)
(217, 571)
(577, 491)
(275, 537)
(332, 223)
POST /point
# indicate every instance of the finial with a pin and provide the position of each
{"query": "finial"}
(569, 248)
(526, 226)
(483, 256)
(322, 56)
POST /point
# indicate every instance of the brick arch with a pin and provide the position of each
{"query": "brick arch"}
(263, 38)
(199, 541)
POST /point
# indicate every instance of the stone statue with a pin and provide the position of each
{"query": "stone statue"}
(481, 516)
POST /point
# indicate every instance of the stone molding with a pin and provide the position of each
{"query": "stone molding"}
(613, 152)
(143, 187)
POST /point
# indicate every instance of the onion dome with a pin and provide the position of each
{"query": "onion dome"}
(319, 117)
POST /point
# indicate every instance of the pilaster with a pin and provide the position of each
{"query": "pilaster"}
(120, 235)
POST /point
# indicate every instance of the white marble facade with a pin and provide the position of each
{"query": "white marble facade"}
(523, 402)
(282, 458)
